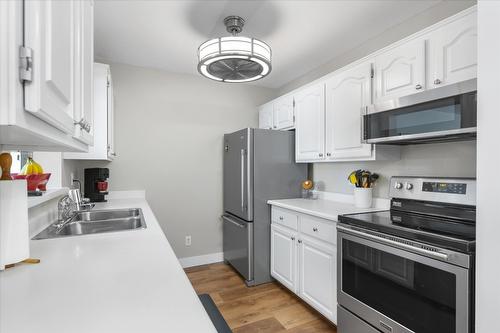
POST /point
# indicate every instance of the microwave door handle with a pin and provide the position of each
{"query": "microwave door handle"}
(436, 255)
(242, 179)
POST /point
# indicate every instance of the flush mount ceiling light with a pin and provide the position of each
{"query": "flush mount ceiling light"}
(234, 58)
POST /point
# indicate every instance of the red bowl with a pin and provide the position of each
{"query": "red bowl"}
(35, 181)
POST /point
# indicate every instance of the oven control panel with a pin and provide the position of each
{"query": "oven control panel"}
(450, 190)
(441, 187)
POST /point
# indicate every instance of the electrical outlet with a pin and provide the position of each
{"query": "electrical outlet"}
(188, 240)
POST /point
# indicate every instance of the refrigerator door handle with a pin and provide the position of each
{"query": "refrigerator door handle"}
(242, 179)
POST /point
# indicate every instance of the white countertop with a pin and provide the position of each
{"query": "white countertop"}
(129, 281)
(326, 209)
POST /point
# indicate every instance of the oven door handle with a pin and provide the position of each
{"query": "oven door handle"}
(437, 255)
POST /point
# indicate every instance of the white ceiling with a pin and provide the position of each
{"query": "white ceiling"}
(302, 34)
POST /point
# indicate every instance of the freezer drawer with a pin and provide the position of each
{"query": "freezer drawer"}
(238, 245)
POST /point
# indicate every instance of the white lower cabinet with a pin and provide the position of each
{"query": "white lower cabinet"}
(303, 259)
(318, 275)
(284, 256)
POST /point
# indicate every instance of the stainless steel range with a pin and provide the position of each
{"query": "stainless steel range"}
(410, 269)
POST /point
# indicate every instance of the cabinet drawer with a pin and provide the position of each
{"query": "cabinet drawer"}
(318, 228)
(284, 217)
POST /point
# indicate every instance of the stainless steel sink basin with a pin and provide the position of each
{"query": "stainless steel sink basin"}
(100, 215)
(95, 222)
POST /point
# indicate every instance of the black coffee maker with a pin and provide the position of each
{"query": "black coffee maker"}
(96, 184)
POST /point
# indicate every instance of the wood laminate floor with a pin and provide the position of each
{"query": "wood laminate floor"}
(265, 308)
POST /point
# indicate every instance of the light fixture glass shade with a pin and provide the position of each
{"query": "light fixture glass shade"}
(234, 59)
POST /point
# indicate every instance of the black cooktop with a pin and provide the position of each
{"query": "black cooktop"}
(443, 232)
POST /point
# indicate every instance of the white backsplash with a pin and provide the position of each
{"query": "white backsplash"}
(453, 159)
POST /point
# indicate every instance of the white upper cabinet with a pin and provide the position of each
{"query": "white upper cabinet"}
(46, 55)
(453, 52)
(266, 116)
(49, 32)
(84, 61)
(347, 95)
(400, 71)
(328, 113)
(110, 96)
(310, 126)
(277, 114)
(283, 113)
(103, 130)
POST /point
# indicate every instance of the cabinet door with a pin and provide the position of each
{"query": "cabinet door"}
(49, 30)
(283, 256)
(310, 124)
(283, 113)
(400, 71)
(111, 118)
(84, 71)
(453, 52)
(266, 116)
(318, 276)
(347, 95)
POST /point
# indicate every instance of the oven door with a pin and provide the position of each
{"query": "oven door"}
(396, 290)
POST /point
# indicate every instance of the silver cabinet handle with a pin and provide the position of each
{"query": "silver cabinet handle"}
(281, 218)
(315, 229)
(320, 154)
(300, 242)
(292, 238)
(418, 86)
(242, 166)
(437, 81)
(84, 125)
(275, 126)
(328, 154)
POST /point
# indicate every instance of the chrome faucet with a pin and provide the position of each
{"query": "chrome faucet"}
(69, 205)
(81, 203)
(66, 209)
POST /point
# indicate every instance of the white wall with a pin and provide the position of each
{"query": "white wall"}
(454, 159)
(488, 159)
(169, 130)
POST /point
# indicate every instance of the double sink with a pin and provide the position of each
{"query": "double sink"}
(95, 222)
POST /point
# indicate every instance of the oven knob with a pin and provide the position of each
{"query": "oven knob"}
(398, 185)
(409, 186)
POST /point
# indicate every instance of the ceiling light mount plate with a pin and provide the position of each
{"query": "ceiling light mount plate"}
(234, 58)
(234, 24)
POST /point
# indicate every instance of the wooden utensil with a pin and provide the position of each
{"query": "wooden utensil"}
(25, 261)
(5, 165)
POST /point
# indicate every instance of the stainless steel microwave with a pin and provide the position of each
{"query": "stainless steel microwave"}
(443, 114)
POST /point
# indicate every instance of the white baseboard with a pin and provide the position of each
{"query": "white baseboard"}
(201, 260)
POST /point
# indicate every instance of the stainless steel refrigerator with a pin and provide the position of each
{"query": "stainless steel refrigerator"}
(259, 165)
